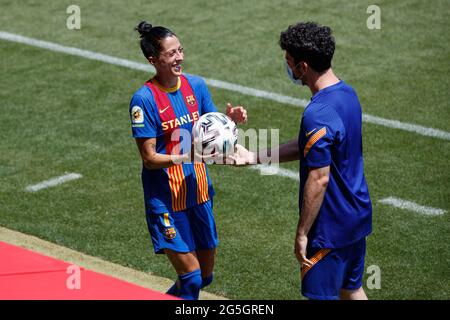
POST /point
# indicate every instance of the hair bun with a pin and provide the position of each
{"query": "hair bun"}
(326, 30)
(143, 28)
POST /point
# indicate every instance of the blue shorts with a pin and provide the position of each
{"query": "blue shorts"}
(184, 231)
(333, 270)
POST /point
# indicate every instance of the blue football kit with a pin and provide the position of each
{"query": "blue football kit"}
(330, 135)
(178, 199)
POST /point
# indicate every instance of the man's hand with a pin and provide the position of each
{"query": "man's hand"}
(242, 157)
(300, 250)
(237, 114)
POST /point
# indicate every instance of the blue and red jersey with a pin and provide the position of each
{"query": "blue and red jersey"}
(160, 113)
(330, 135)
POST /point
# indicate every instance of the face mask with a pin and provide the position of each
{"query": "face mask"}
(292, 76)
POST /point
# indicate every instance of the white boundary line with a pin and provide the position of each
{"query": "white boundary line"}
(267, 170)
(392, 201)
(53, 182)
(409, 205)
(76, 52)
(395, 124)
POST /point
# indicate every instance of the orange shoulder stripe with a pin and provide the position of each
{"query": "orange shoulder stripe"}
(319, 134)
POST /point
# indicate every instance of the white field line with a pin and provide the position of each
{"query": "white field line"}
(395, 124)
(392, 201)
(76, 52)
(409, 205)
(53, 182)
(257, 93)
(267, 170)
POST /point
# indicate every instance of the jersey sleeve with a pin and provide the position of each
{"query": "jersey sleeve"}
(320, 130)
(207, 104)
(143, 124)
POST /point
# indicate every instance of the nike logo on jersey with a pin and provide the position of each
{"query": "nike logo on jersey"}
(309, 133)
(162, 110)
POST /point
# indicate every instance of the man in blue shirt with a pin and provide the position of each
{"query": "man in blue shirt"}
(334, 201)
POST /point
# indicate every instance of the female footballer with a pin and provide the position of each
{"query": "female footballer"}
(178, 194)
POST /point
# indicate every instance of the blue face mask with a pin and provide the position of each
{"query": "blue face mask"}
(291, 75)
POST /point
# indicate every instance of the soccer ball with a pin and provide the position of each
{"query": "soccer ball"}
(215, 132)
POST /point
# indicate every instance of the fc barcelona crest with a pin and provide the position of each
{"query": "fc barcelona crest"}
(170, 233)
(190, 100)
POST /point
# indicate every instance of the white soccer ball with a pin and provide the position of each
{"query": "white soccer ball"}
(214, 132)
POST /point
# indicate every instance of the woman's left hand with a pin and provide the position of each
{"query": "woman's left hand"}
(238, 114)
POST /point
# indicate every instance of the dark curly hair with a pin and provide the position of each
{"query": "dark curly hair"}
(151, 38)
(309, 42)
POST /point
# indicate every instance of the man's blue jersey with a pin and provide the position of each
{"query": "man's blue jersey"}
(330, 135)
(160, 113)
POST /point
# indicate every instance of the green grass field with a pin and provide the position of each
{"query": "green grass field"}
(62, 113)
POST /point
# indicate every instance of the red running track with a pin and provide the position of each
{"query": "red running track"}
(27, 275)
